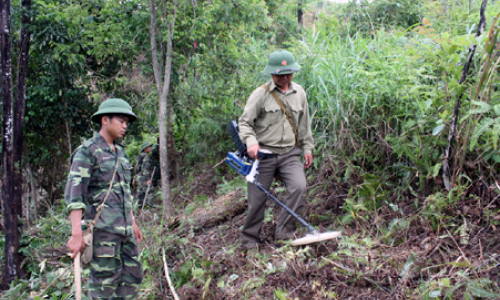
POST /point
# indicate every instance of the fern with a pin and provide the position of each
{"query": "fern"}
(487, 126)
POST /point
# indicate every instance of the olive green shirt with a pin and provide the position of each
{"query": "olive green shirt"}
(264, 122)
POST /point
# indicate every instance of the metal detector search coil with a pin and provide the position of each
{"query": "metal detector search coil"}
(240, 164)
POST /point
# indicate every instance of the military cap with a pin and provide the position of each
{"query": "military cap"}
(281, 62)
(114, 106)
(145, 145)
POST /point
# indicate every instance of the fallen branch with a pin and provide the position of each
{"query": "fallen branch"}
(213, 213)
(176, 297)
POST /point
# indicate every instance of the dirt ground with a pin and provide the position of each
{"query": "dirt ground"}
(403, 263)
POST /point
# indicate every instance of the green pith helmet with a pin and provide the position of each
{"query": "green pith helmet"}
(145, 145)
(114, 106)
(281, 62)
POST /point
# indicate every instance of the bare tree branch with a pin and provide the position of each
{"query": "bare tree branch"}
(456, 110)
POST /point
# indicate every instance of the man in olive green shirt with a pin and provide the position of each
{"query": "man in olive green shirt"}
(264, 125)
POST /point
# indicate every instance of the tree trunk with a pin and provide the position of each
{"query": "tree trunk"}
(173, 154)
(163, 91)
(300, 16)
(12, 259)
(33, 194)
(31, 187)
(20, 99)
(68, 133)
(12, 137)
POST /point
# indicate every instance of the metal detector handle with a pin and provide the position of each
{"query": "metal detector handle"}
(252, 176)
(288, 210)
(253, 172)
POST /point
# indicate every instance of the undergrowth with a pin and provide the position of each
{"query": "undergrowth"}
(436, 247)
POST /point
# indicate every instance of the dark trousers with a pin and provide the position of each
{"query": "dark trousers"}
(116, 271)
(291, 170)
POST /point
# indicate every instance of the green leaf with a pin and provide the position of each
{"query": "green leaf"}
(281, 294)
(437, 130)
(445, 282)
(435, 294)
(452, 49)
(485, 106)
(406, 272)
(482, 293)
(496, 109)
(436, 169)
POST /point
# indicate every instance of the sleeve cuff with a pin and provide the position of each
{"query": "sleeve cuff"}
(251, 141)
(76, 206)
(308, 151)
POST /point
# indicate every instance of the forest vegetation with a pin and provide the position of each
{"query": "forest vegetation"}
(405, 105)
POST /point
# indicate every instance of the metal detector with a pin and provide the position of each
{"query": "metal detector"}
(249, 168)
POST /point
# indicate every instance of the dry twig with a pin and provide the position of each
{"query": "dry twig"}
(167, 276)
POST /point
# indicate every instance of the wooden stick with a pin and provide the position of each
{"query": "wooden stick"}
(176, 297)
(454, 121)
(78, 278)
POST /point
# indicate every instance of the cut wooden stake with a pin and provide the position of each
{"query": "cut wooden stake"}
(176, 297)
(78, 278)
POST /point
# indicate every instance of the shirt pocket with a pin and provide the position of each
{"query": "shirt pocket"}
(297, 111)
(271, 114)
(127, 170)
(106, 169)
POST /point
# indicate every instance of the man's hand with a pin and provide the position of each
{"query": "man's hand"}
(76, 244)
(137, 230)
(148, 182)
(309, 160)
(253, 150)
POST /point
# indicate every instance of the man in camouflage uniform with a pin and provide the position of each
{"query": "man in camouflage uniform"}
(116, 271)
(150, 164)
(145, 150)
(139, 183)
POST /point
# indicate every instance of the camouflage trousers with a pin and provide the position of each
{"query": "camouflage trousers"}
(141, 193)
(116, 271)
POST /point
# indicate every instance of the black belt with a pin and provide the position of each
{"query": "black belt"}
(266, 155)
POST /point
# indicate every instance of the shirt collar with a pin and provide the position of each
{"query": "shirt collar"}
(103, 144)
(273, 86)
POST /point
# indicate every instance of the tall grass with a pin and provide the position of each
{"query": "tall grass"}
(381, 101)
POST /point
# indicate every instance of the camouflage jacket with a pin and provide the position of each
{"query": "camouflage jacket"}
(150, 163)
(138, 163)
(91, 171)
